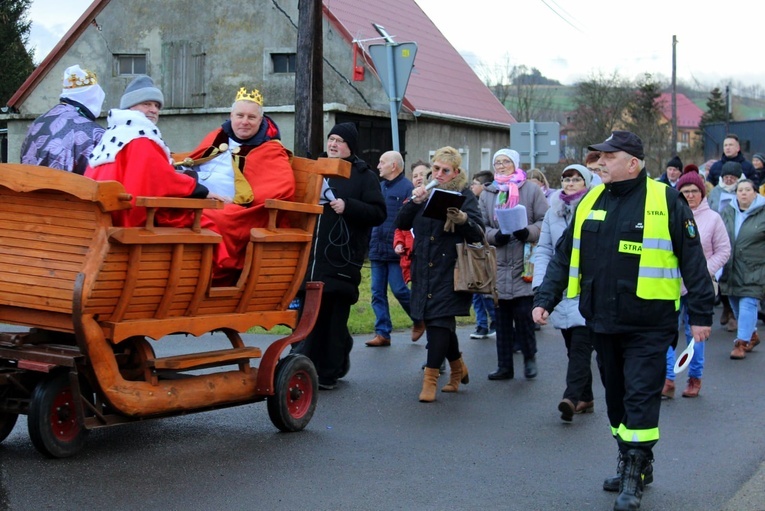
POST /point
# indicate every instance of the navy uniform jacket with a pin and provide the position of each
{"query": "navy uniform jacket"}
(608, 299)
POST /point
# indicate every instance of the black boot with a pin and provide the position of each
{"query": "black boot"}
(631, 485)
(612, 483)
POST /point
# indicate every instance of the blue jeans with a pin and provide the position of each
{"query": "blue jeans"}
(483, 304)
(696, 369)
(386, 273)
(745, 310)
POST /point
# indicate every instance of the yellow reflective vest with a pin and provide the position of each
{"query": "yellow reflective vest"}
(658, 272)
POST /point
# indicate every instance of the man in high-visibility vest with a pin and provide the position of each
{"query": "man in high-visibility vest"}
(630, 241)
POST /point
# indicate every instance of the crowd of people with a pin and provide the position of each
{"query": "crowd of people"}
(615, 260)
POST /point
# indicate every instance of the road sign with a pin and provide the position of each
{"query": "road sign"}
(396, 78)
(536, 142)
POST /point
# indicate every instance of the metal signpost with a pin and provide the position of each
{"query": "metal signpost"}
(538, 141)
(394, 62)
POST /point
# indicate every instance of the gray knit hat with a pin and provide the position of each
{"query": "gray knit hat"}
(139, 90)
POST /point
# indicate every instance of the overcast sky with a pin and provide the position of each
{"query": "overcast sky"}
(567, 40)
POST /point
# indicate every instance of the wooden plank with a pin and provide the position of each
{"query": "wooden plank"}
(55, 265)
(206, 359)
(198, 325)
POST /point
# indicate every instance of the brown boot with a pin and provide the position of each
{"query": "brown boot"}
(731, 325)
(754, 341)
(458, 375)
(693, 388)
(585, 407)
(668, 392)
(378, 341)
(726, 314)
(739, 350)
(429, 382)
(418, 328)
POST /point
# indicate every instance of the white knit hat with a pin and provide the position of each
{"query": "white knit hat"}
(81, 85)
(139, 90)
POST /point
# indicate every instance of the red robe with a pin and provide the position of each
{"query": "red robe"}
(268, 170)
(143, 169)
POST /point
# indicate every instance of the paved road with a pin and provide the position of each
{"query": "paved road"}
(372, 446)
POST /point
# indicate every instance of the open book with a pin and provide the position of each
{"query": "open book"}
(439, 201)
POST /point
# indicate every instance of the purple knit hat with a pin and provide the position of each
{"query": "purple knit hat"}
(692, 178)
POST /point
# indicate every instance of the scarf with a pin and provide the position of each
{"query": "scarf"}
(568, 199)
(508, 195)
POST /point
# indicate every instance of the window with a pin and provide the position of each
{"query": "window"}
(486, 162)
(283, 62)
(128, 64)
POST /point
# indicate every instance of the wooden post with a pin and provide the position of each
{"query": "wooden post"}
(309, 78)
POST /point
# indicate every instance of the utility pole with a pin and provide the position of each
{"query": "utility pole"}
(309, 79)
(674, 94)
(727, 109)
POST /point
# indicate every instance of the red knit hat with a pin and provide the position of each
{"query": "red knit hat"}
(692, 178)
(690, 168)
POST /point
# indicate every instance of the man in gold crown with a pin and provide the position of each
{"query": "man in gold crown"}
(64, 136)
(244, 161)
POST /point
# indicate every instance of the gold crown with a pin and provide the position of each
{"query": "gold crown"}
(73, 81)
(255, 96)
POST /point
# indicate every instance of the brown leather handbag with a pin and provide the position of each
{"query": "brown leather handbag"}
(476, 268)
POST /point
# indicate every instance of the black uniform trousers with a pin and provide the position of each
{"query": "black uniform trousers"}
(634, 368)
(579, 372)
(514, 325)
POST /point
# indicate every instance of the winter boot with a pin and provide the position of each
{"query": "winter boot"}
(693, 388)
(631, 484)
(668, 392)
(612, 483)
(739, 350)
(458, 375)
(429, 382)
(754, 341)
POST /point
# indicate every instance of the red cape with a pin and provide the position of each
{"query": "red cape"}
(143, 169)
(268, 170)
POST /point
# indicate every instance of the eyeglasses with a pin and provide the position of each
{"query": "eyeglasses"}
(691, 192)
(503, 163)
(443, 170)
(567, 180)
(336, 140)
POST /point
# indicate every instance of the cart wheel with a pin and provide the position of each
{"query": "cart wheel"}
(7, 421)
(294, 400)
(53, 425)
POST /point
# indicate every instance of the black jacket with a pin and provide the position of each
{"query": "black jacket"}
(341, 241)
(608, 299)
(434, 255)
(713, 176)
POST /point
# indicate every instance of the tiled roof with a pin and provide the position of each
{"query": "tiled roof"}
(688, 114)
(441, 81)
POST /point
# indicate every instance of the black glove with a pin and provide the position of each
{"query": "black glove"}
(500, 240)
(521, 234)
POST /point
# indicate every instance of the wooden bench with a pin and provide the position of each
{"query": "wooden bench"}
(64, 267)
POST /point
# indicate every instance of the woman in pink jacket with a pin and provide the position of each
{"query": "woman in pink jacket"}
(716, 245)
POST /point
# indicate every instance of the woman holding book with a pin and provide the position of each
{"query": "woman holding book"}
(514, 324)
(433, 258)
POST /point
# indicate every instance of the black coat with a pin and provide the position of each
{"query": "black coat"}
(713, 176)
(341, 241)
(434, 255)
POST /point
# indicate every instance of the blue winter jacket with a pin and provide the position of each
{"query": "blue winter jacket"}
(395, 191)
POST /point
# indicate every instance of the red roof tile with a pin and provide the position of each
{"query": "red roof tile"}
(441, 81)
(688, 114)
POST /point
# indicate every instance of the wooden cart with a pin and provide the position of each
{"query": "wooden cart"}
(97, 297)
